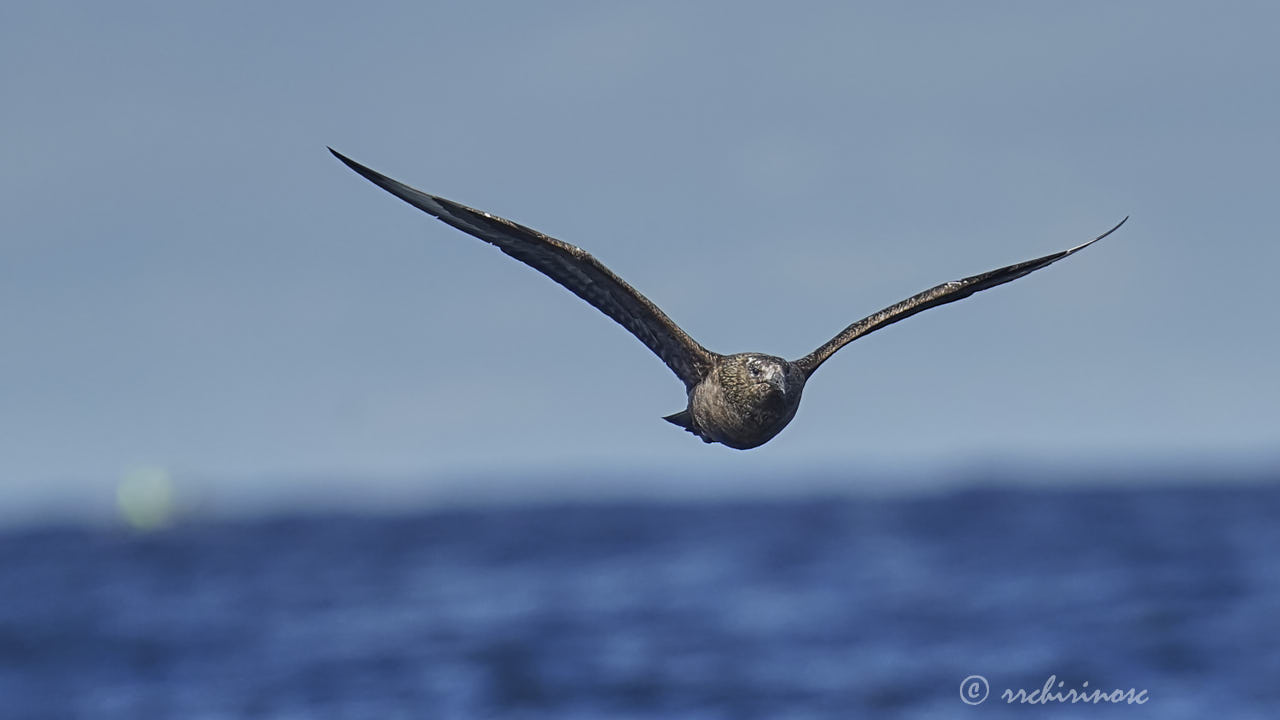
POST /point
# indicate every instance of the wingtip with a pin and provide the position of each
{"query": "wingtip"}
(1085, 245)
(345, 160)
(368, 173)
(1117, 227)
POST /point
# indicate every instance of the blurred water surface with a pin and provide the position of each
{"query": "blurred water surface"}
(820, 608)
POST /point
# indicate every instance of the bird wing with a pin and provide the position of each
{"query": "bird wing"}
(933, 297)
(568, 265)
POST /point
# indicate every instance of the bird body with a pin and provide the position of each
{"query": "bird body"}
(741, 401)
(744, 400)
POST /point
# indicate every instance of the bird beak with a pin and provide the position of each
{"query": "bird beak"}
(778, 379)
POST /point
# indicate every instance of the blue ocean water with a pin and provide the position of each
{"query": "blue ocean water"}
(818, 608)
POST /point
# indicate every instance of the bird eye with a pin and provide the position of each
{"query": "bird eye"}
(755, 371)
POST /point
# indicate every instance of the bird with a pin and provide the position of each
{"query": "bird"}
(741, 400)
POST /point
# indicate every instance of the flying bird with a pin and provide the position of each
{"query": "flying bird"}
(741, 400)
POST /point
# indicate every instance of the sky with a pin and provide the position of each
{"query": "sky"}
(191, 285)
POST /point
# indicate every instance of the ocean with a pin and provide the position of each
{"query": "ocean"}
(991, 603)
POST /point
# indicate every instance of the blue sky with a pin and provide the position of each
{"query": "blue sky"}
(188, 280)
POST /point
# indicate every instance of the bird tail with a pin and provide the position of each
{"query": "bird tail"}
(685, 420)
(682, 418)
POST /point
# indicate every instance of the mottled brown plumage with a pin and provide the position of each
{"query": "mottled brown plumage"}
(741, 400)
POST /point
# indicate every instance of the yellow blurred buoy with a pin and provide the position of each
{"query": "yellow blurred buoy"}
(145, 498)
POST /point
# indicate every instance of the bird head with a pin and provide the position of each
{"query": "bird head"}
(761, 377)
